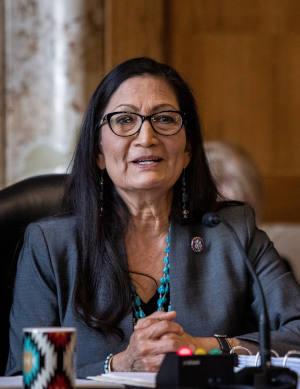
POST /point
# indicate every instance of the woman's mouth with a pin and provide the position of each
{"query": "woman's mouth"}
(144, 161)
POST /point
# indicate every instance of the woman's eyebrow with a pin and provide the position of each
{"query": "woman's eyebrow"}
(154, 108)
(126, 106)
(164, 106)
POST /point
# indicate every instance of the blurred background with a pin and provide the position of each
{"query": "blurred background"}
(241, 58)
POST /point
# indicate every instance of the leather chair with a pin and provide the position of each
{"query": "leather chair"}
(21, 204)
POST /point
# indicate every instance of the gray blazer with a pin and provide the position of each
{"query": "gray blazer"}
(211, 291)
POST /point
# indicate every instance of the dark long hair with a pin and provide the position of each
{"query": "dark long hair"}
(102, 268)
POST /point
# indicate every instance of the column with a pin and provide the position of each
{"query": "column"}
(54, 58)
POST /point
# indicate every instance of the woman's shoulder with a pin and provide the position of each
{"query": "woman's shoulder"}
(235, 212)
(60, 226)
(234, 209)
(239, 215)
(53, 237)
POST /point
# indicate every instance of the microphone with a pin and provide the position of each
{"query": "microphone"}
(212, 220)
(265, 375)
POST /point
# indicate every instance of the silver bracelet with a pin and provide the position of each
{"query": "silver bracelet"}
(107, 363)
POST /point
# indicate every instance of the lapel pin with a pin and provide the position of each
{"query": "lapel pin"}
(197, 244)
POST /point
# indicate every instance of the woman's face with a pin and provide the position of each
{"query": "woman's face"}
(146, 160)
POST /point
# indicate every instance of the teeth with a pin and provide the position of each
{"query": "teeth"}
(146, 162)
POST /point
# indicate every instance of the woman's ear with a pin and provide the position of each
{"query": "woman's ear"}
(188, 154)
(100, 157)
(100, 161)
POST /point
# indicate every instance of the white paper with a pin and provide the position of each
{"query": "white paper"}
(81, 383)
(146, 380)
(11, 382)
(252, 360)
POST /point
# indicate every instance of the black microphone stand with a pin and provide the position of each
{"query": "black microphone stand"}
(264, 376)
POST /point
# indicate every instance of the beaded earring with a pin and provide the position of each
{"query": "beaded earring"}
(101, 192)
(184, 197)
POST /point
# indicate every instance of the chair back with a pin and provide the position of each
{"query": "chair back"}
(20, 204)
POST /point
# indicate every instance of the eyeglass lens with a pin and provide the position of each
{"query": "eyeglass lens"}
(128, 123)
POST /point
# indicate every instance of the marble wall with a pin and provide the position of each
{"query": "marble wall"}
(2, 132)
(53, 61)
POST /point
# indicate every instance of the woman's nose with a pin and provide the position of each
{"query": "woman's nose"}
(146, 135)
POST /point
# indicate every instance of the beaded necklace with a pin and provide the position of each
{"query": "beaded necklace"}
(163, 290)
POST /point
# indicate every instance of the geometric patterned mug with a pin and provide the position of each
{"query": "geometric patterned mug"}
(49, 358)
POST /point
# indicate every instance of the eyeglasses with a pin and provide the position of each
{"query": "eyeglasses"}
(129, 123)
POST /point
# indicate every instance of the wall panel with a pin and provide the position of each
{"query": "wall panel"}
(133, 28)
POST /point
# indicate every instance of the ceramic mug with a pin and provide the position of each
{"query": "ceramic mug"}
(49, 357)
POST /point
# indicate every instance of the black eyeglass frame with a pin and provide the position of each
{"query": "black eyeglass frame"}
(106, 120)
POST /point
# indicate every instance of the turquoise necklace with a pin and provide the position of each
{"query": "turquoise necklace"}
(163, 290)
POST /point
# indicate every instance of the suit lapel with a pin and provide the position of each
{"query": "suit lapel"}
(187, 269)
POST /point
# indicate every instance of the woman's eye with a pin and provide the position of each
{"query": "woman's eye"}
(125, 119)
(164, 119)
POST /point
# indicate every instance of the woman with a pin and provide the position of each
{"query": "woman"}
(131, 266)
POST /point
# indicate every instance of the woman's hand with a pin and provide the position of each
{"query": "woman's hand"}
(149, 343)
(153, 337)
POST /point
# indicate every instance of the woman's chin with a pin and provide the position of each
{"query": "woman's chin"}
(149, 185)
